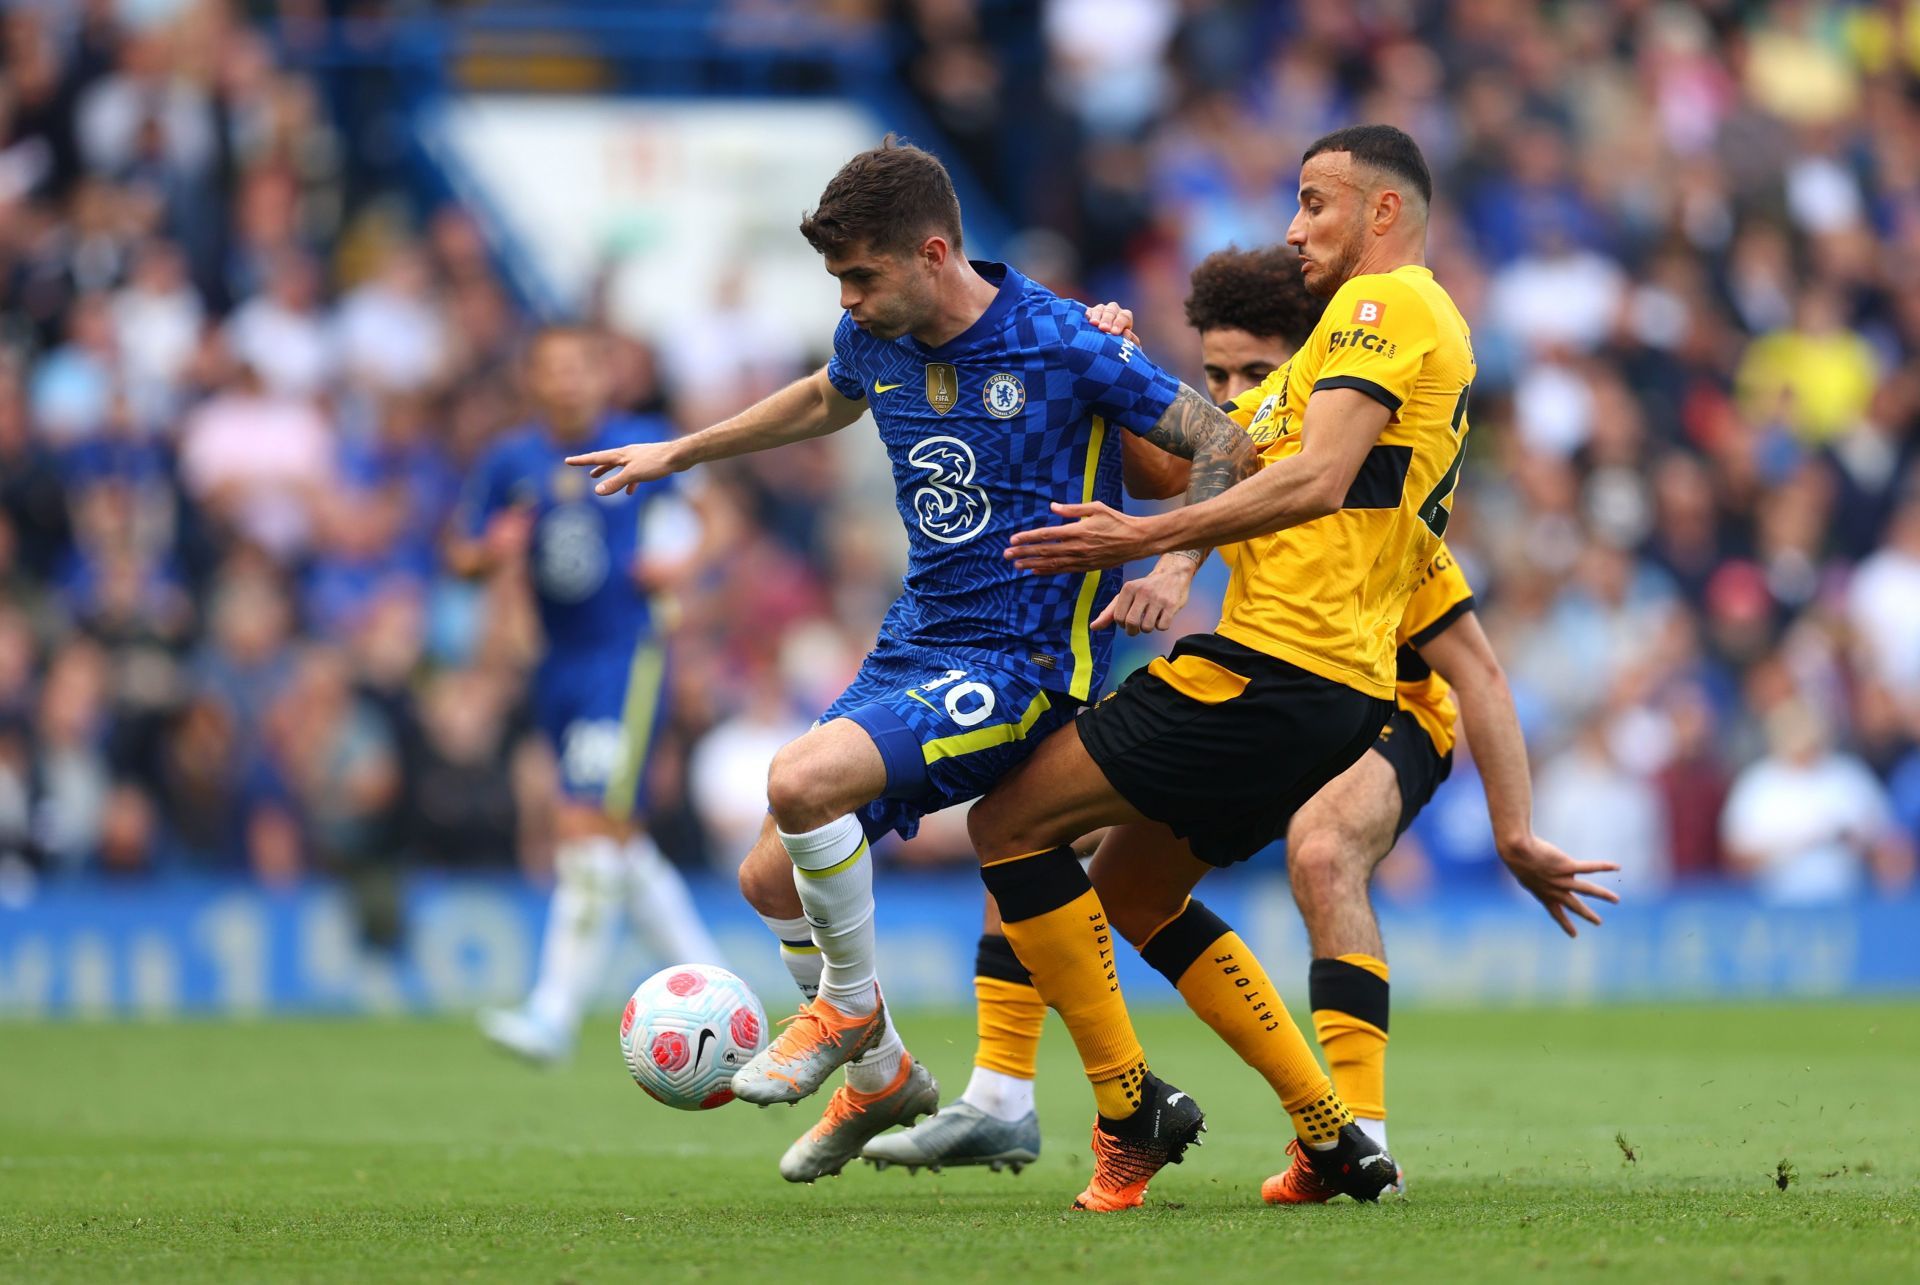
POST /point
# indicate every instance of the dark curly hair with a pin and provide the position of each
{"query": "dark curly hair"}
(1258, 291)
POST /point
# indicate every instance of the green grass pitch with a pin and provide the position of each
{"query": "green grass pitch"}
(355, 1150)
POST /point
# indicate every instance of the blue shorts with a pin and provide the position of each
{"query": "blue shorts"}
(599, 710)
(947, 727)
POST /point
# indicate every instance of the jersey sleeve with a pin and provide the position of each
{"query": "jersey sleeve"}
(1379, 332)
(1113, 378)
(483, 495)
(846, 380)
(1442, 597)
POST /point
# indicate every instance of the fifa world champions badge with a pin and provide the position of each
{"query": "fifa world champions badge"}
(1005, 395)
(943, 386)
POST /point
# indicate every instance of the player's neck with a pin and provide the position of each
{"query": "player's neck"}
(963, 298)
(1386, 255)
(572, 430)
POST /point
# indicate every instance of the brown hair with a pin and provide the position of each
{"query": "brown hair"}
(891, 197)
(1258, 291)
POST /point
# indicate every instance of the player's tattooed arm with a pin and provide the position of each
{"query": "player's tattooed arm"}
(1197, 430)
(1218, 450)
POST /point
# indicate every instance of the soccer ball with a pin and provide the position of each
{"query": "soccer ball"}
(686, 1030)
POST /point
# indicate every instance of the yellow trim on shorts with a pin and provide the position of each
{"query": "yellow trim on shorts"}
(834, 869)
(1207, 682)
(982, 738)
(1082, 637)
(644, 680)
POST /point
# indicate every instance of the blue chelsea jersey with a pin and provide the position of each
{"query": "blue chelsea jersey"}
(585, 546)
(984, 432)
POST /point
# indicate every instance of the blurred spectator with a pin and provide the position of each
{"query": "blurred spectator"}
(1884, 605)
(259, 462)
(463, 803)
(1810, 824)
(1692, 786)
(727, 772)
(281, 333)
(1592, 805)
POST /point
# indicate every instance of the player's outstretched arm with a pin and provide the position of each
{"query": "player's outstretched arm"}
(808, 407)
(1461, 654)
(1224, 503)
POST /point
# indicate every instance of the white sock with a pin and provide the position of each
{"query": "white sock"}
(1374, 1129)
(581, 920)
(662, 909)
(834, 875)
(1002, 1096)
(875, 1069)
(797, 952)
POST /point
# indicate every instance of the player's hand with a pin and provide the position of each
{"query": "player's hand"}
(509, 535)
(637, 464)
(1554, 879)
(1110, 318)
(1149, 604)
(1098, 537)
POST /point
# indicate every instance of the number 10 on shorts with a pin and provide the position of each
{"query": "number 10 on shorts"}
(968, 704)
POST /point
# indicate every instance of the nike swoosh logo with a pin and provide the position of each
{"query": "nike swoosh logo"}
(879, 387)
(700, 1051)
(1174, 1100)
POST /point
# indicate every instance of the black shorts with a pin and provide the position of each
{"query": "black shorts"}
(1228, 750)
(1416, 763)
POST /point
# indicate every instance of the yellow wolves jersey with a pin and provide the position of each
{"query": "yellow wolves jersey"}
(1328, 595)
(1442, 597)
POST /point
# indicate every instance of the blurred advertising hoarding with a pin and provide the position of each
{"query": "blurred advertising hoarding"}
(230, 948)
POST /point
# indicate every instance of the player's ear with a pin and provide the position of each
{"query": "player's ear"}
(1386, 209)
(934, 251)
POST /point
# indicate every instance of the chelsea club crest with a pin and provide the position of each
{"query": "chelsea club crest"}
(1005, 395)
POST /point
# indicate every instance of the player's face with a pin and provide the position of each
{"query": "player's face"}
(1237, 361)
(1330, 229)
(568, 384)
(887, 295)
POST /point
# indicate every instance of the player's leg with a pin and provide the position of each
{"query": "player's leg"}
(994, 1122)
(815, 786)
(1023, 831)
(854, 1115)
(583, 914)
(658, 902)
(766, 881)
(1333, 845)
(1147, 874)
(1009, 1019)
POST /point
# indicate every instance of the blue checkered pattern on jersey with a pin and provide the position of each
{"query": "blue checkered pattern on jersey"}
(984, 433)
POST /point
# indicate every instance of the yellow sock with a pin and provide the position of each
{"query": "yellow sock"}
(1009, 1011)
(1225, 985)
(1057, 926)
(1349, 998)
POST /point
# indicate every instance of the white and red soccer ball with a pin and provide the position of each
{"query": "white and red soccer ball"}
(686, 1030)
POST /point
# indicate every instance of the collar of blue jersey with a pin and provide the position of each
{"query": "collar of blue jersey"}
(1010, 283)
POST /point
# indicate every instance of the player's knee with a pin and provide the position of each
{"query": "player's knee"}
(766, 887)
(799, 793)
(988, 831)
(1136, 920)
(1318, 861)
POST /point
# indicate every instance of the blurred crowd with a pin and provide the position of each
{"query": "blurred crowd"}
(242, 377)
